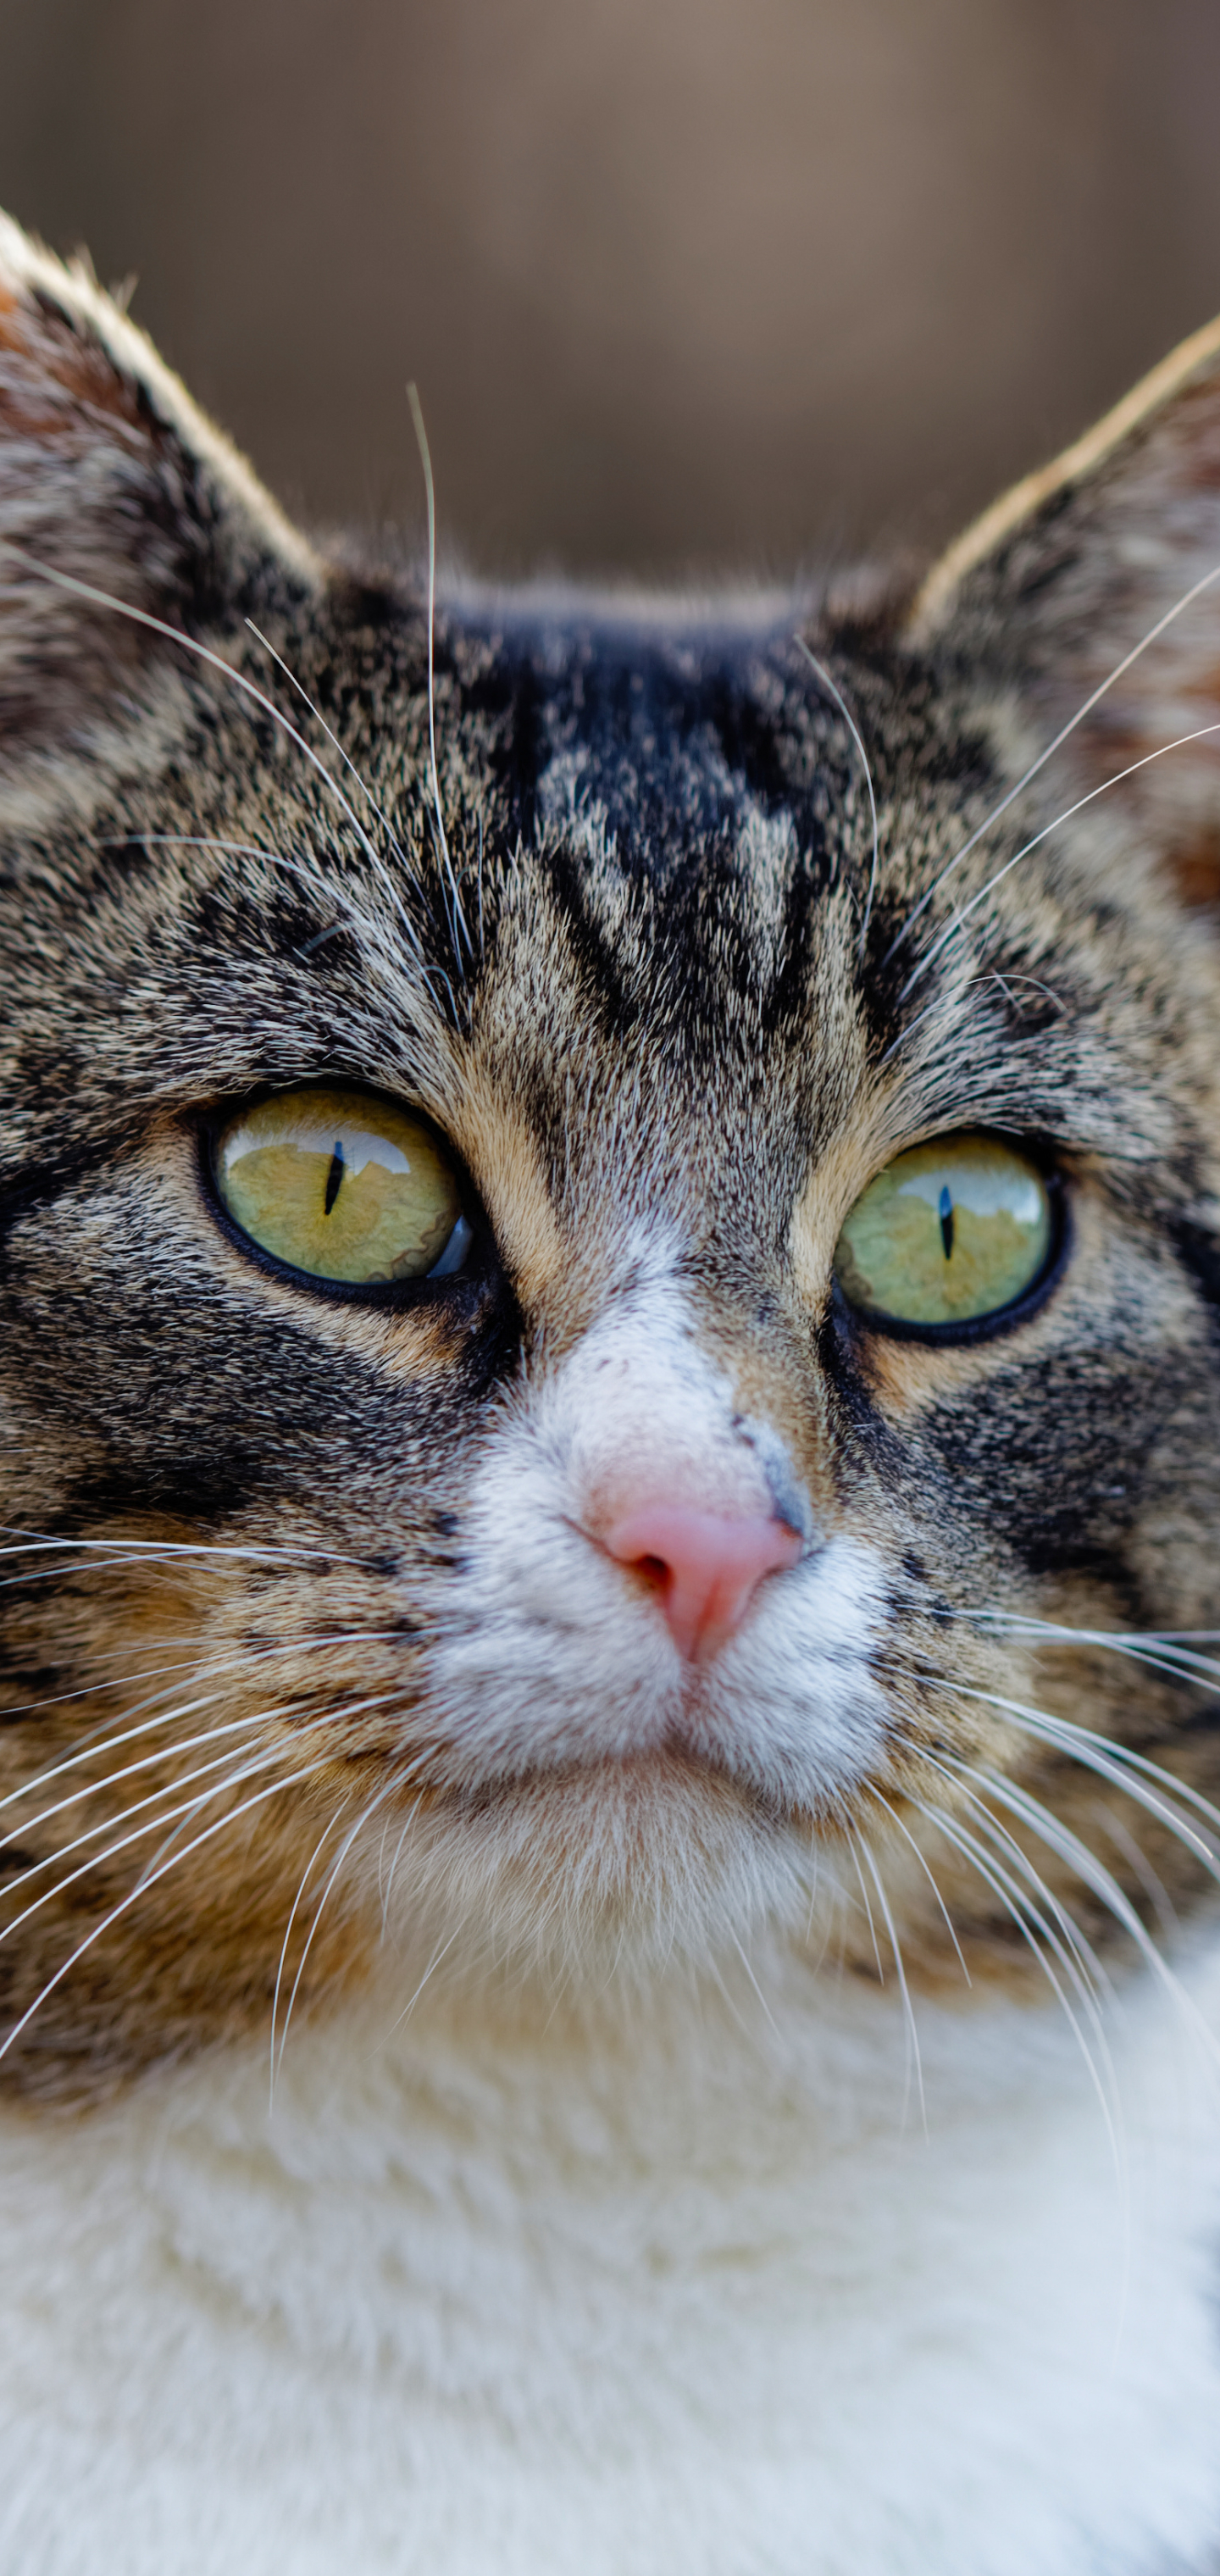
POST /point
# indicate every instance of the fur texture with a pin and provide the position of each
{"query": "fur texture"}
(593, 2212)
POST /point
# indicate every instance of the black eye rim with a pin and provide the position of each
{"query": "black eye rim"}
(858, 1321)
(462, 1288)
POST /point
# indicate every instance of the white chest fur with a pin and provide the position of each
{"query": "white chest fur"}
(692, 2298)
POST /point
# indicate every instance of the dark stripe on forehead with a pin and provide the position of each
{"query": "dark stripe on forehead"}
(667, 742)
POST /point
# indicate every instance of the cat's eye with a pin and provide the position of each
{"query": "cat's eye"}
(351, 1190)
(948, 1234)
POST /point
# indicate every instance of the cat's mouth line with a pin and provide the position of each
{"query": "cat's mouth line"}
(671, 1761)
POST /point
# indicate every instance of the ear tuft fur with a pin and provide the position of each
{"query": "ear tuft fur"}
(109, 475)
(1113, 547)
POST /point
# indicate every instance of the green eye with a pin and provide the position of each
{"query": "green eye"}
(947, 1233)
(343, 1187)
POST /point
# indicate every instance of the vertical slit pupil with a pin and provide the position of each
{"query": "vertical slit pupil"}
(334, 1179)
(945, 1213)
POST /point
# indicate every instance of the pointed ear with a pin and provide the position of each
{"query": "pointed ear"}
(1054, 586)
(111, 477)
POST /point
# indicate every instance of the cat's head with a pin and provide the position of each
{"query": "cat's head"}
(605, 1344)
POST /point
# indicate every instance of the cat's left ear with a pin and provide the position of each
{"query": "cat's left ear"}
(1052, 588)
(115, 488)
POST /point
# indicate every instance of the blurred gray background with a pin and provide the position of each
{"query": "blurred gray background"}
(685, 284)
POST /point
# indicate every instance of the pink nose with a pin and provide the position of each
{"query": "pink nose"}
(705, 1571)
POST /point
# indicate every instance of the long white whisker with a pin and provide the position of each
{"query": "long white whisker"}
(174, 635)
(144, 1762)
(412, 1999)
(109, 1739)
(332, 738)
(369, 1809)
(962, 914)
(138, 1551)
(854, 730)
(1111, 1762)
(1060, 1839)
(1186, 601)
(1023, 1913)
(300, 1727)
(306, 1874)
(913, 2056)
(105, 1740)
(276, 1788)
(201, 1667)
(768, 2015)
(908, 1836)
(1167, 1649)
(1076, 1952)
(425, 455)
(401, 915)
(1078, 1957)
(96, 1860)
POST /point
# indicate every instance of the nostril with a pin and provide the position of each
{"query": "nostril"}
(705, 1570)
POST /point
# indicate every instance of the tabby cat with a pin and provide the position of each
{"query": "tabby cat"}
(610, 1220)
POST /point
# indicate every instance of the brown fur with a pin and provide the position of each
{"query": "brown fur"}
(640, 1022)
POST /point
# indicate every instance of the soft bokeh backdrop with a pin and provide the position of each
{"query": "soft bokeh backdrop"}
(684, 283)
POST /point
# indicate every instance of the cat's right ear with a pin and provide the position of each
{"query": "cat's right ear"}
(112, 482)
(1089, 598)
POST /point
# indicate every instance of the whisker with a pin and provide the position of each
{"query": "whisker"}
(306, 1873)
(1024, 1914)
(291, 1781)
(108, 1739)
(97, 1860)
(1186, 601)
(962, 915)
(136, 1551)
(128, 1770)
(908, 1836)
(313, 878)
(849, 720)
(913, 2056)
(300, 1727)
(412, 1999)
(401, 915)
(1111, 1762)
(479, 880)
(1141, 1868)
(425, 457)
(201, 1667)
(1075, 1952)
(369, 1809)
(1160, 1653)
(332, 738)
(175, 635)
(1068, 1846)
(765, 2007)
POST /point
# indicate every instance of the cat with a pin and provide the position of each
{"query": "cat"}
(611, 1288)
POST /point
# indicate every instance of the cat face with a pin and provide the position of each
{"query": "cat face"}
(602, 1346)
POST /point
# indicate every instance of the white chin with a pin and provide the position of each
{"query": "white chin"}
(628, 1866)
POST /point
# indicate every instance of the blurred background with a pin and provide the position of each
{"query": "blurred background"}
(686, 284)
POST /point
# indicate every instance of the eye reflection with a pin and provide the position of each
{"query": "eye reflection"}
(947, 1233)
(343, 1187)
